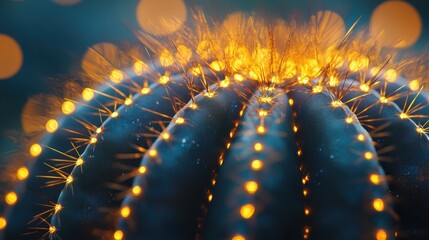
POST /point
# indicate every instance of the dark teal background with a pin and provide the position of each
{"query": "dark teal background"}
(54, 38)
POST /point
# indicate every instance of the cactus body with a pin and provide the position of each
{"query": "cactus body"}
(243, 146)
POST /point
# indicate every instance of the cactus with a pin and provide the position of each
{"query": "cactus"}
(216, 136)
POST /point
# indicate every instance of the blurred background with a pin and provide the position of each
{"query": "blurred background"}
(41, 40)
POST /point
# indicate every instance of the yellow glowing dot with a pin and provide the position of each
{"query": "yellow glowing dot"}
(3, 223)
(164, 79)
(193, 106)
(295, 129)
(275, 79)
(166, 58)
(305, 179)
(224, 83)
(217, 65)
(58, 207)
(375, 70)
(269, 88)
(391, 75)
(22, 173)
(237, 63)
(241, 112)
(93, 140)
(333, 81)
(299, 152)
(307, 230)
(125, 212)
(114, 114)
(253, 75)
(414, 85)
(317, 89)
(35, 150)
(209, 94)
(118, 235)
(381, 235)
(305, 192)
(303, 80)
(98, 130)
(290, 68)
(238, 237)
(210, 197)
(375, 179)
(142, 169)
(261, 129)
(68, 107)
(420, 130)
(51, 125)
(251, 187)
(290, 101)
(180, 120)
(358, 62)
(364, 87)
(384, 99)
(136, 190)
(87, 94)
(349, 120)
(360, 137)
(403, 115)
(116, 76)
(257, 164)
(11, 198)
(368, 155)
(247, 211)
(153, 153)
(145, 90)
(79, 162)
(11, 57)
(258, 147)
(69, 180)
(266, 99)
(165, 136)
(336, 103)
(378, 204)
(184, 54)
(128, 101)
(262, 113)
(238, 77)
(139, 67)
(52, 229)
(307, 211)
(196, 71)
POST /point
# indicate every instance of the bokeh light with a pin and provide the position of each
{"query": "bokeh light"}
(161, 17)
(234, 23)
(10, 56)
(29, 120)
(397, 23)
(330, 27)
(99, 58)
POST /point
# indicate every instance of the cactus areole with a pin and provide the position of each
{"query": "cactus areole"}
(250, 130)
